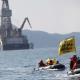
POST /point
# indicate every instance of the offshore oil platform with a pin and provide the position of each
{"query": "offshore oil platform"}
(11, 38)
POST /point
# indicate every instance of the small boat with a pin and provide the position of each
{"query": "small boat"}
(57, 67)
(74, 72)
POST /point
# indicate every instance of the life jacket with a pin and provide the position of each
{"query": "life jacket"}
(47, 61)
(50, 62)
(54, 61)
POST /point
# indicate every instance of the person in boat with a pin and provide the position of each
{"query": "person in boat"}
(54, 61)
(49, 61)
(73, 62)
(41, 64)
(57, 62)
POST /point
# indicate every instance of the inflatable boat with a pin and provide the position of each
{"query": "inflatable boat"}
(75, 72)
(54, 67)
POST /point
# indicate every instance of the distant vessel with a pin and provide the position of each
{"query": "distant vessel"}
(11, 38)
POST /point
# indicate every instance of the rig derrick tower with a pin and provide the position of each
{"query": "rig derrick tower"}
(6, 25)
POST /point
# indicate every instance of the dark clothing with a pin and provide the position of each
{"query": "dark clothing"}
(78, 63)
(74, 58)
(41, 64)
(51, 62)
(71, 65)
(73, 62)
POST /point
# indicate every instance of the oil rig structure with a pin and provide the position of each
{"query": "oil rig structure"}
(11, 38)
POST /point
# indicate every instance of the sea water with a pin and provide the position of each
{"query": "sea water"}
(23, 65)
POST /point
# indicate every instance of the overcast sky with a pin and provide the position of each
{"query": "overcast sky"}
(53, 16)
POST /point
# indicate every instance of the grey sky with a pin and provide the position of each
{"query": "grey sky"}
(53, 16)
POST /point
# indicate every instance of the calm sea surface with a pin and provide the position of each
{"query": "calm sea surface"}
(20, 64)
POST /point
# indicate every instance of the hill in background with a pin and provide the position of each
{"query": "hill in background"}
(42, 39)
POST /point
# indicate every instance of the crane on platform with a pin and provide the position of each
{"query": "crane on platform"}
(24, 23)
(20, 29)
(11, 37)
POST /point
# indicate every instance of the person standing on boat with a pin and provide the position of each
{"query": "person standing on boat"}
(73, 62)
